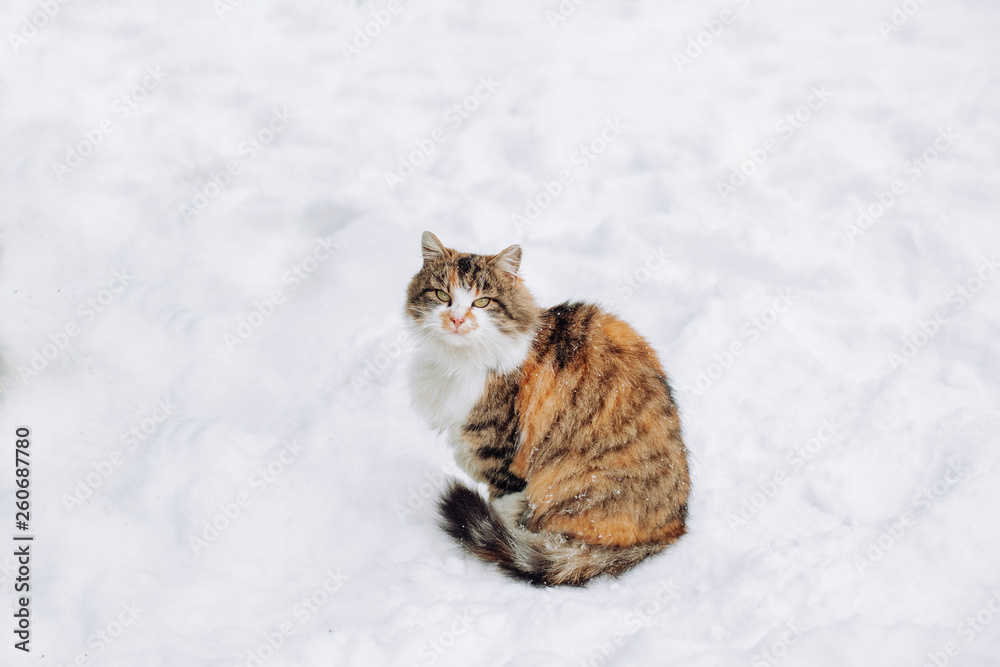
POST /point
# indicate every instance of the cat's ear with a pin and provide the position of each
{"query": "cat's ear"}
(509, 260)
(431, 247)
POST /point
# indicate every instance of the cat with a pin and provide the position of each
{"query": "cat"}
(564, 413)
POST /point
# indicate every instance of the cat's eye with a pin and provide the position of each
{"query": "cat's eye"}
(443, 296)
(481, 303)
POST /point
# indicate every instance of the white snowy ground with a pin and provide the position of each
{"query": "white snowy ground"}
(845, 507)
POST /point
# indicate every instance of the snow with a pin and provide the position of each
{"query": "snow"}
(234, 339)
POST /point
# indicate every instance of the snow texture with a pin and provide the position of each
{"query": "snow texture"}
(210, 211)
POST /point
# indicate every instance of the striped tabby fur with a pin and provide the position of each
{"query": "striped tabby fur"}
(564, 413)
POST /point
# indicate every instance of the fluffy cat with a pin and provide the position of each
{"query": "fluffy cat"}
(564, 413)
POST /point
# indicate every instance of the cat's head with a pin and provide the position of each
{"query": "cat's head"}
(464, 300)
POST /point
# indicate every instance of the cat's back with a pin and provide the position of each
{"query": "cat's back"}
(591, 381)
(602, 449)
(582, 337)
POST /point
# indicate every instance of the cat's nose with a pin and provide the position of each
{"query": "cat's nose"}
(457, 320)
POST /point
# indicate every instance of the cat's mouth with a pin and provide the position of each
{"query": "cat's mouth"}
(456, 336)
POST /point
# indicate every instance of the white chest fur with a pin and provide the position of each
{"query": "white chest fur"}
(444, 393)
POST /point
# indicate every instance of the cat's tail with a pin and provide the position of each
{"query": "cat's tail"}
(542, 559)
